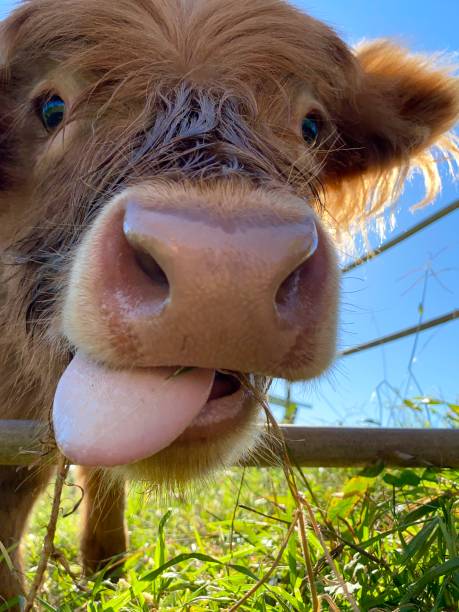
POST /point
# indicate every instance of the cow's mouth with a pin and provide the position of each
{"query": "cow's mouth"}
(224, 385)
(108, 417)
(220, 413)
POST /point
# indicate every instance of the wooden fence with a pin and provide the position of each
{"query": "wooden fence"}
(24, 443)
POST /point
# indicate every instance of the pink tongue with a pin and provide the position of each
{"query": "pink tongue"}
(106, 417)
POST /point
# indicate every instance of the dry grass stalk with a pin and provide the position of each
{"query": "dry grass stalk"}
(331, 603)
(301, 504)
(48, 542)
(276, 562)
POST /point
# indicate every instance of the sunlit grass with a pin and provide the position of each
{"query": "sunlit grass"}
(392, 534)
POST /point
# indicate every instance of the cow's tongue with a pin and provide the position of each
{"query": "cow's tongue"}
(105, 417)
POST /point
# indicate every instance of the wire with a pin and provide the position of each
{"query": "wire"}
(401, 237)
(454, 314)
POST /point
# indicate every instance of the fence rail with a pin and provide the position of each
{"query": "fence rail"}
(443, 212)
(22, 443)
(408, 331)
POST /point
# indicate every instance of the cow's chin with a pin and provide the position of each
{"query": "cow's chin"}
(226, 431)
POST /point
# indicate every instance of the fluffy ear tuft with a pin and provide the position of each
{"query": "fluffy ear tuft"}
(398, 121)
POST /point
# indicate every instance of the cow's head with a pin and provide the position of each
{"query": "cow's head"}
(173, 175)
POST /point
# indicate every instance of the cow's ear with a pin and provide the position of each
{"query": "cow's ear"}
(399, 118)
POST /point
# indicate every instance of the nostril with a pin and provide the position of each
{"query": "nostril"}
(289, 289)
(144, 249)
(148, 274)
(152, 269)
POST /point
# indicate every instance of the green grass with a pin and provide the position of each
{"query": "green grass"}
(392, 535)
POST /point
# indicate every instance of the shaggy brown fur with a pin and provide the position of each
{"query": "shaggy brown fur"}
(204, 93)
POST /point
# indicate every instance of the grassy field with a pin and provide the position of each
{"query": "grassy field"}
(372, 539)
(390, 534)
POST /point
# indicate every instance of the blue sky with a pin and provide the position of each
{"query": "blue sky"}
(383, 296)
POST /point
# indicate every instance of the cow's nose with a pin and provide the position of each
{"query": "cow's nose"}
(229, 270)
(230, 279)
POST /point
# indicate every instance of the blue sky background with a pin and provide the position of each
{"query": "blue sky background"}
(384, 295)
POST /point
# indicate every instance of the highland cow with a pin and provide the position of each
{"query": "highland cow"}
(175, 176)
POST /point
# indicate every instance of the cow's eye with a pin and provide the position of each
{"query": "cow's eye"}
(310, 128)
(52, 111)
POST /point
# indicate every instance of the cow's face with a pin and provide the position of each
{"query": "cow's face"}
(170, 173)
